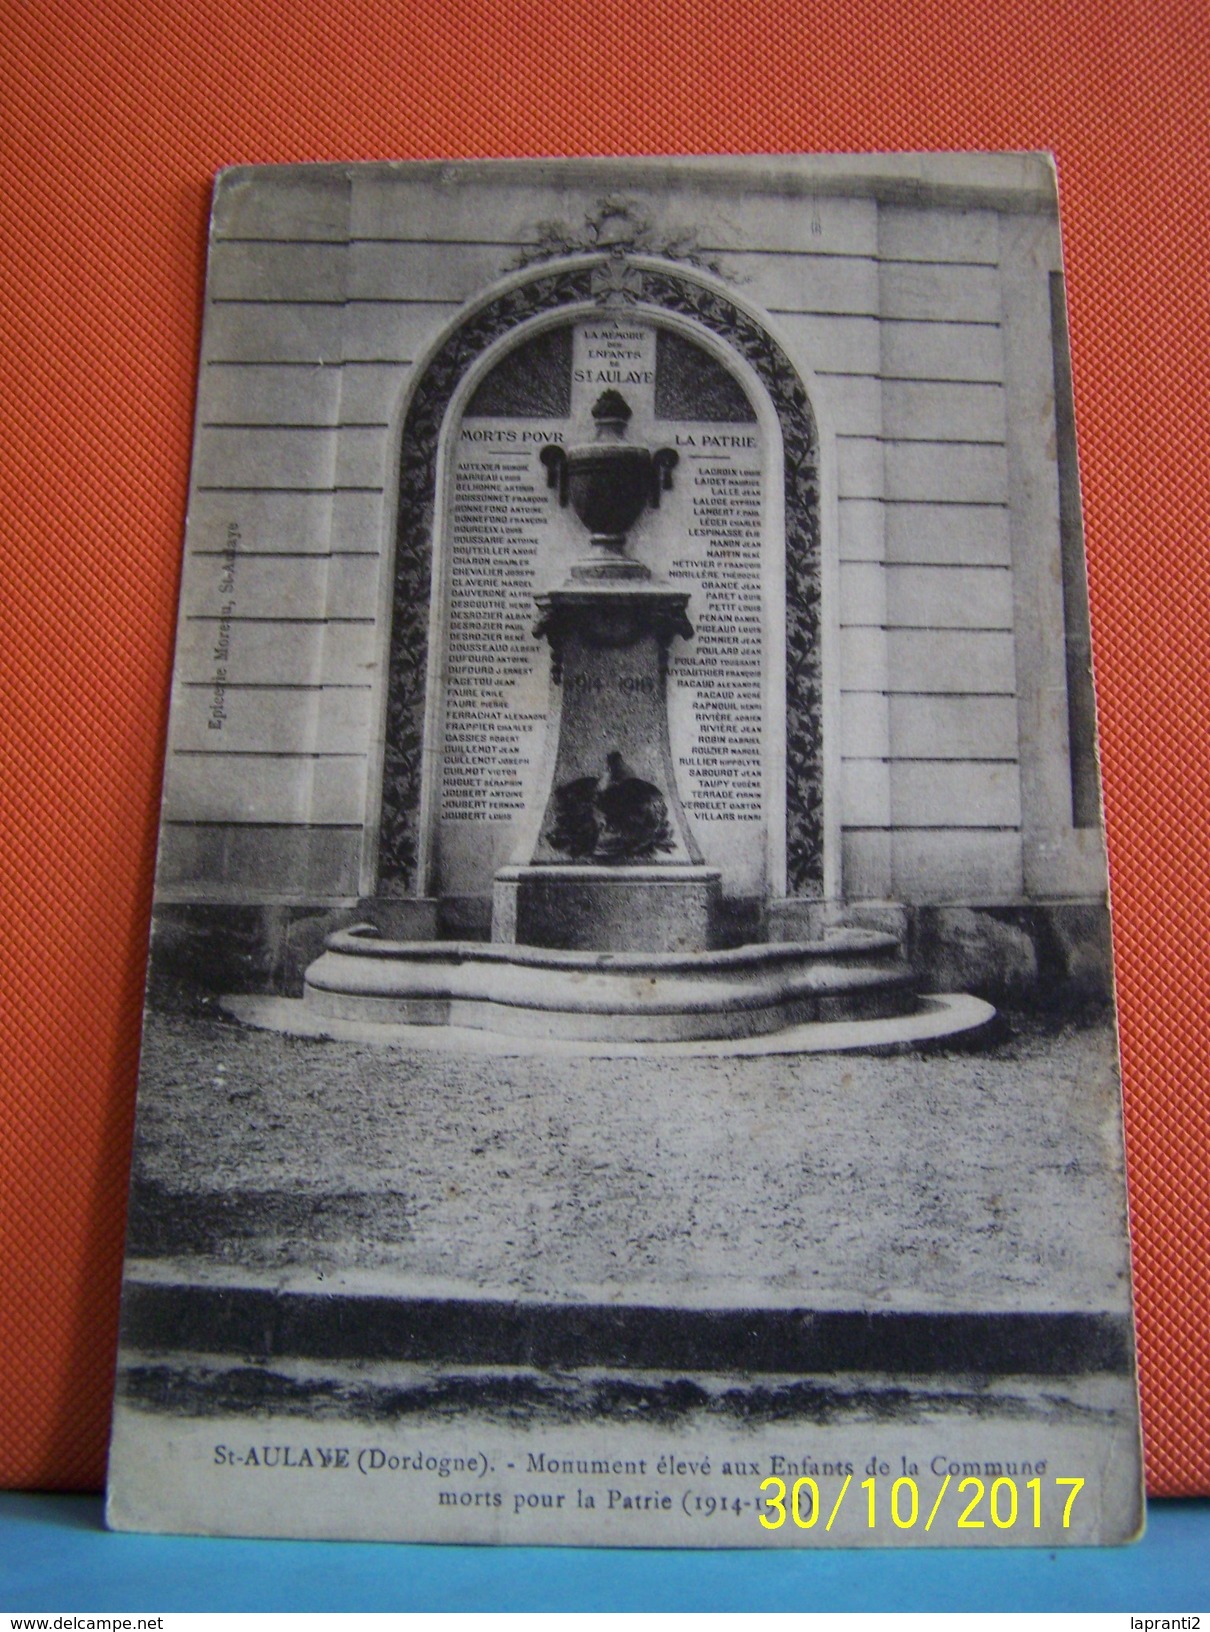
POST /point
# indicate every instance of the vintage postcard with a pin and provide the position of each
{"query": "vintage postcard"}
(630, 1053)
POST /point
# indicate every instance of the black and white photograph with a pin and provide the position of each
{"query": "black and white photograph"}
(629, 1054)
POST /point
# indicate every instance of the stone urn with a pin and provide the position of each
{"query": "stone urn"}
(609, 482)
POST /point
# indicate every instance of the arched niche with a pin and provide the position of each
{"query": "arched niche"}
(505, 367)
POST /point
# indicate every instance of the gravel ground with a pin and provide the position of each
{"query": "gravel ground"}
(972, 1180)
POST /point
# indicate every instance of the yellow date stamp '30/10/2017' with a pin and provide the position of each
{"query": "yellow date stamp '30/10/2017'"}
(977, 1502)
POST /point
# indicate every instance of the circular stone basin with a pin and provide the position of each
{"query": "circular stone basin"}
(745, 991)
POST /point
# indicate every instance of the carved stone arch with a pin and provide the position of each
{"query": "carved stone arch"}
(614, 283)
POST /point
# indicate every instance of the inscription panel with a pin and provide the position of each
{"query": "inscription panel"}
(717, 681)
(500, 549)
(505, 538)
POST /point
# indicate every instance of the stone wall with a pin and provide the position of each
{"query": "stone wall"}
(919, 317)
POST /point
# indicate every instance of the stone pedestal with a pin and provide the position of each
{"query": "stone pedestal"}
(615, 866)
(613, 796)
(599, 909)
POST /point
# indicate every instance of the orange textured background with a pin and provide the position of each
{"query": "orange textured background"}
(115, 116)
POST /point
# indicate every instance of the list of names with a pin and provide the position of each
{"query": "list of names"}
(492, 729)
(720, 769)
